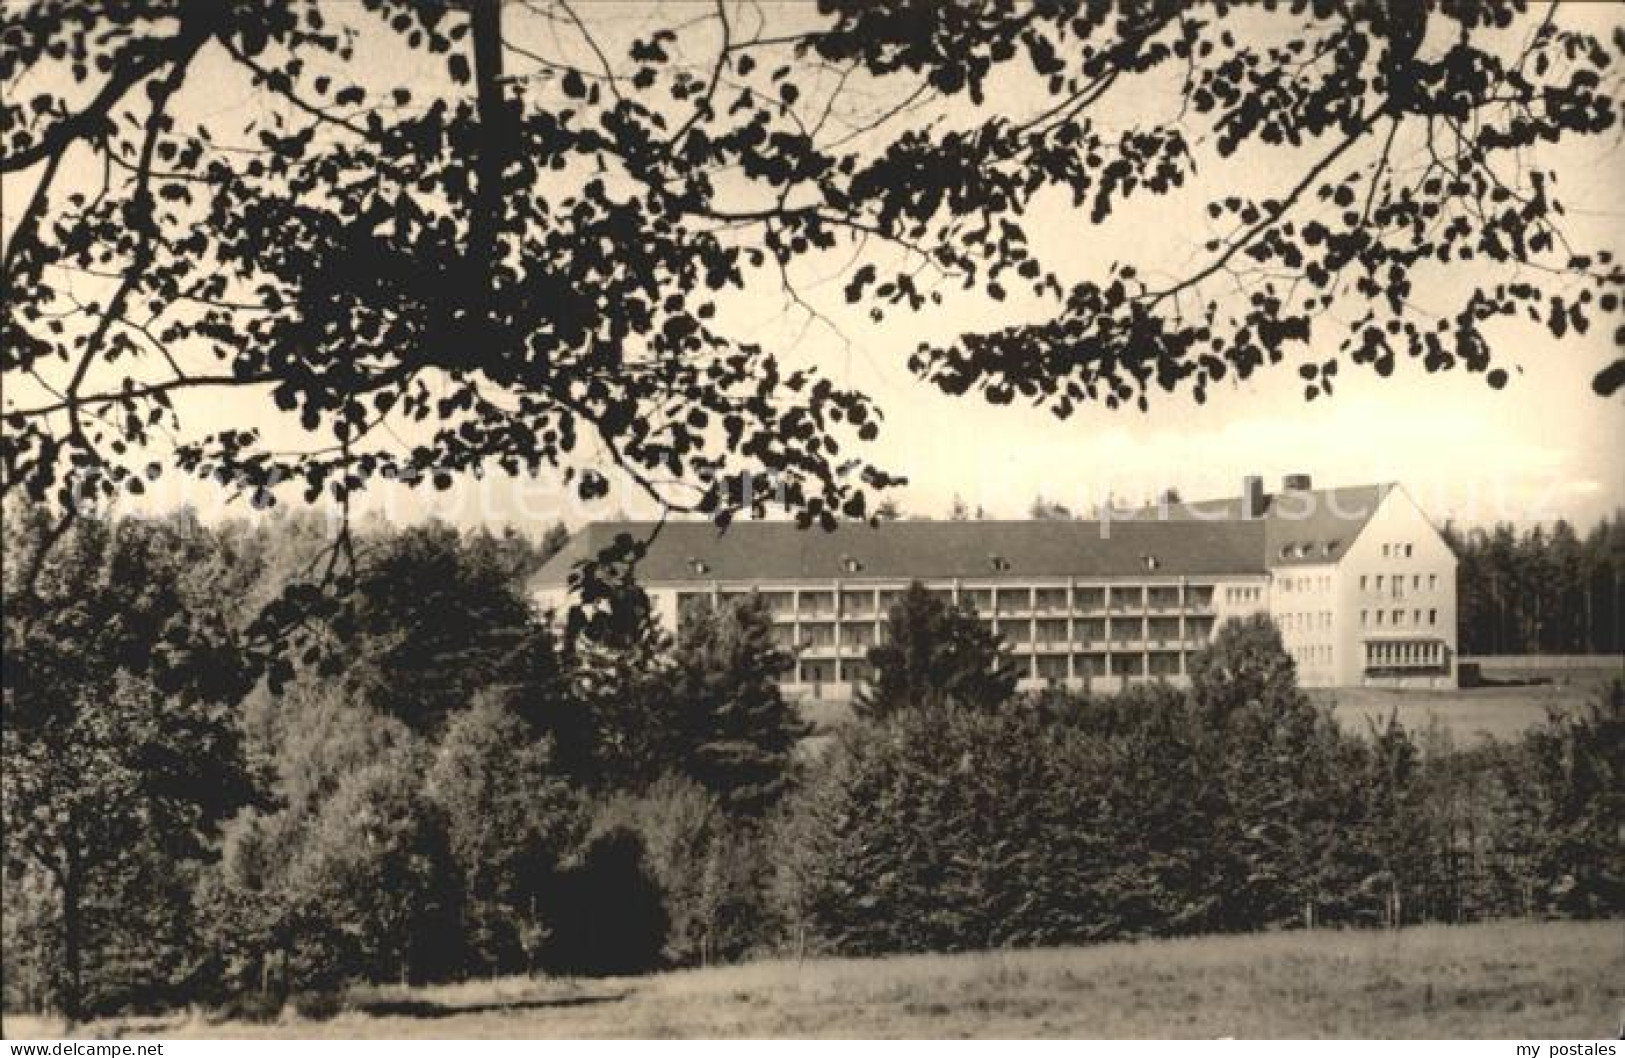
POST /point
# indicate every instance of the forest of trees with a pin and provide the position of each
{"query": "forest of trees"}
(1546, 590)
(439, 783)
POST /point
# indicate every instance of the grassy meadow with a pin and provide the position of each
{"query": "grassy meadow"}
(1496, 980)
(1468, 713)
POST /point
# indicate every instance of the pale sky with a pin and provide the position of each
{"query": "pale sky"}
(1544, 447)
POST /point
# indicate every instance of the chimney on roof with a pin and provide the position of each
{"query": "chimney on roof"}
(1252, 496)
(1296, 483)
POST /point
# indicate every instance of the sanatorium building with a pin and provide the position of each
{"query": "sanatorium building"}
(1360, 583)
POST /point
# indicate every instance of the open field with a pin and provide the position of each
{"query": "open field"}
(1468, 713)
(1497, 980)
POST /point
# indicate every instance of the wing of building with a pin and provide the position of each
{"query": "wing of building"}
(1361, 584)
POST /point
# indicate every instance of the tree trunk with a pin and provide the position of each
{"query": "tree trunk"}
(72, 998)
(494, 148)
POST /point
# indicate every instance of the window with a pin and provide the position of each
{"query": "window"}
(1014, 600)
(1379, 617)
(1051, 668)
(1379, 582)
(817, 602)
(1362, 582)
(1433, 581)
(1052, 631)
(1163, 629)
(1416, 615)
(1399, 617)
(1089, 664)
(1407, 551)
(1384, 550)
(857, 603)
(1051, 600)
(1165, 663)
(1086, 599)
(1364, 618)
(1128, 664)
(817, 635)
(1416, 582)
(1433, 617)
(858, 635)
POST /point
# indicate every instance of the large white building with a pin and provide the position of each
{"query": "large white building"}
(1361, 584)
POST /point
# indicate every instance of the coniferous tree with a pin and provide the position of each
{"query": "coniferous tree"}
(738, 731)
(935, 654)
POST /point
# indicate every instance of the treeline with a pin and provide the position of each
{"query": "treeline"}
(223, 786)
(1236, 805)
(431, 785)
(1543, 591)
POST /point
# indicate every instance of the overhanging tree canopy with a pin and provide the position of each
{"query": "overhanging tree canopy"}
(511, 256)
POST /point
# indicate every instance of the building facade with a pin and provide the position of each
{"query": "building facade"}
(1360, 583)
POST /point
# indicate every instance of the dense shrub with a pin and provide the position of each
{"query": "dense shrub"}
(609, 915)
(317, 1006)
(942, 830)
(1564, 827)
(1237, 806)
(711, 869)
(360, 888)
(510, 820)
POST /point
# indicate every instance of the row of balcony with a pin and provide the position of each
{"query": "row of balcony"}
(1022, 602)
(858, 650)
(813, 671)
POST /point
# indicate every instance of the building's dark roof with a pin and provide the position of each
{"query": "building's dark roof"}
(1300, 528)
(1203, 538)
(906, 550)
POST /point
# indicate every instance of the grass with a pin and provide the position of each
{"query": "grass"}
(1469, 714)
(1505, 980)
(1502, 713)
